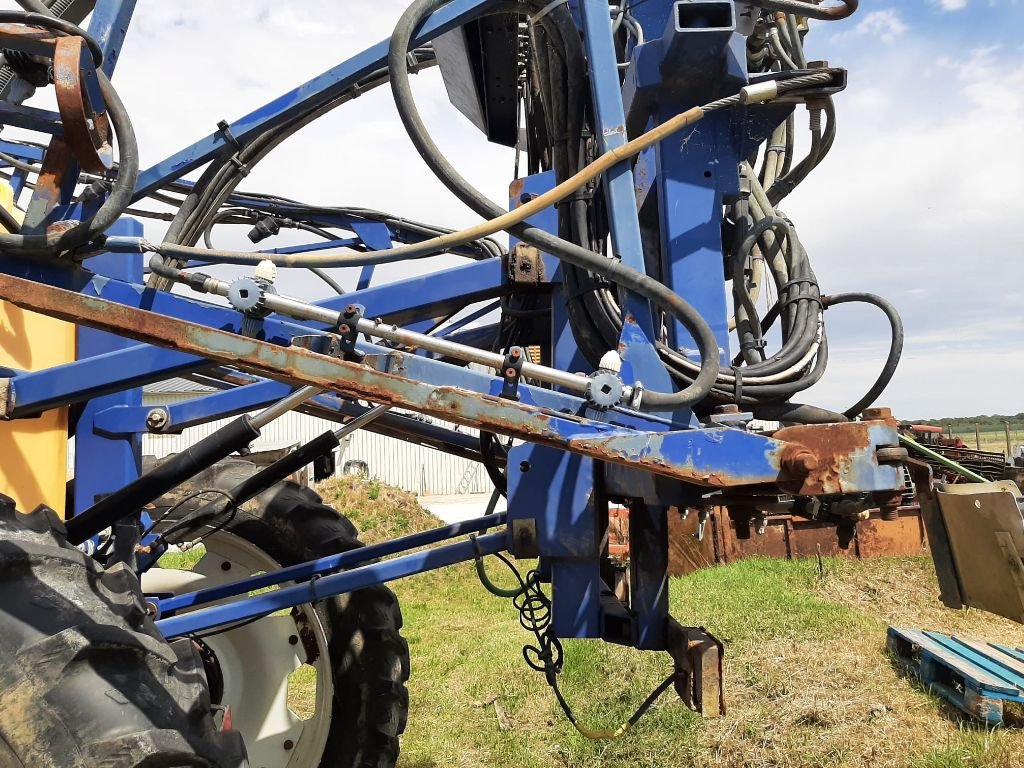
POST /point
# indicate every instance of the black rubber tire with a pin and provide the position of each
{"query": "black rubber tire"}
(369, 656)
(86, 680)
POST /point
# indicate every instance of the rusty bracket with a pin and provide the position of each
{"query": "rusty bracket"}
(525, 265)
(698, 657)
(81, 105)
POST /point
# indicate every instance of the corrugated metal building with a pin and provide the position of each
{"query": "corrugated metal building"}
(415, 468)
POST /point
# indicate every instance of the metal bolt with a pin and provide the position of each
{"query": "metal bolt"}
(288, 744)
(156, 419)
(510, 372)
(799, 462)
(729, 408)
(515, 353)
(343, 328)
(293, 640)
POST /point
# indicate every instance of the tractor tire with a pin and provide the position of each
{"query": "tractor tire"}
(86, 681)
(369, 659)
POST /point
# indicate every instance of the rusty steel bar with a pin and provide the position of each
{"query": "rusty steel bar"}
(302, 367)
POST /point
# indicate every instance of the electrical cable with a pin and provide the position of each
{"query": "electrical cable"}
(547, 656)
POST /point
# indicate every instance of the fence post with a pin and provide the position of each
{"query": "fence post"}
(977, 436)
(1006, 431)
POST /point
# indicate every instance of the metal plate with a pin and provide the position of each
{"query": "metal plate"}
(985, 527)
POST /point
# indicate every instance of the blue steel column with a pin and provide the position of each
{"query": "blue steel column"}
(108, 26)
(610, 126)
(105, 463)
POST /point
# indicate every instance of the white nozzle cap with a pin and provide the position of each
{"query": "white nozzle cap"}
(266, 270)
(610, 361)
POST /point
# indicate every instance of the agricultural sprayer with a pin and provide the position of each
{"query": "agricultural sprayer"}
(644, 341)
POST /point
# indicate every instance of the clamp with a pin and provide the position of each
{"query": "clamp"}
(348, 332)
(512, 372)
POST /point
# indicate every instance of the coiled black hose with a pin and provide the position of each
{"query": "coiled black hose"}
(610, 269)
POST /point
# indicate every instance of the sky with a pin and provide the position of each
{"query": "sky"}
(921, 199)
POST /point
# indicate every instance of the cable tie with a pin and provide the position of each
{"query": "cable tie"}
(225, 128)
(753, 344)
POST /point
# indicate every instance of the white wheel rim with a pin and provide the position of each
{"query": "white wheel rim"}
(256, 659)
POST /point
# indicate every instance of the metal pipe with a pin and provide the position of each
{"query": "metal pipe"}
(301, 310)
(361, 421)
(331, 563)
(285, 404)
(946, 462)
(332, 585)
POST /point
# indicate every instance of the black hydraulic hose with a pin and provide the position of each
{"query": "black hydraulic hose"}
(892, 360)
(43, 18)
(611, 269)
(151, 486)
(123, 186)
(797, 413)
(255, 484)
(488, 443)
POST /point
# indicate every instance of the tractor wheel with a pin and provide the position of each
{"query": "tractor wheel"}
(350, 644)
(86, 681)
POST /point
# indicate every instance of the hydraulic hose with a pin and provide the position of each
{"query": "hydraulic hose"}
(572, 253)
(128, 153)
(892, 360)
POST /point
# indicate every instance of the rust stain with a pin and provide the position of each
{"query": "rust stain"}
(830, 447)
(515, 191)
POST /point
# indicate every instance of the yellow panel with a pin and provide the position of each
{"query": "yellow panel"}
(33, 452)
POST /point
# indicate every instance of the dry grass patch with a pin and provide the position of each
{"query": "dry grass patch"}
(379, 511)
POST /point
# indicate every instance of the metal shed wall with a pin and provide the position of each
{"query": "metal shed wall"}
(414, 468)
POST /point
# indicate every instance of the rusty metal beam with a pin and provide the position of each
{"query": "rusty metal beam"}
(299, 366)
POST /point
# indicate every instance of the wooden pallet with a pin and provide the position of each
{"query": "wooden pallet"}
(975, 676)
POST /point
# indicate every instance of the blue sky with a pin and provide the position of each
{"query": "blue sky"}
(921, 199)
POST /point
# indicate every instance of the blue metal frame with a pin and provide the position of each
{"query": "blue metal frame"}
(576, 457)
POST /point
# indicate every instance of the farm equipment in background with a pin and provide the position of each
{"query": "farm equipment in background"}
(616, 353)
(991, 465)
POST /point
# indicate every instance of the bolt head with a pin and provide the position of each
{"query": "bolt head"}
(156, 418)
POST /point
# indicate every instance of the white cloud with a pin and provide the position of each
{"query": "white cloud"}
(886, 25)
(920, 200)
(951, 5)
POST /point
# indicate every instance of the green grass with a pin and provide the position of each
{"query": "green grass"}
(184, 561)
(970, 749)
(466, 648)
(804, 673)
(808, 682)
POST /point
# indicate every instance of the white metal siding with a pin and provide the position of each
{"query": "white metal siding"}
(415, 468)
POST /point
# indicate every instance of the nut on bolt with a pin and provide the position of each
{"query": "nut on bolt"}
(156, 419)
(798, 461)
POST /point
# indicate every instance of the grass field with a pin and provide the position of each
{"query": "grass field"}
(808, 682)
(991, 440)
(807, 679)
